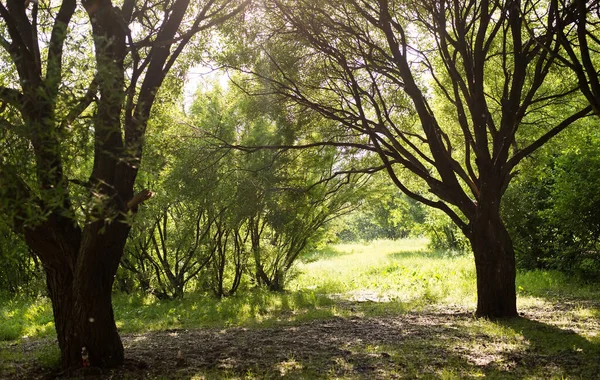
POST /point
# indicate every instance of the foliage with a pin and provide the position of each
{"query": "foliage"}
(78, 86)
(20, 271)
(386, 277)
(384, 213)
(449, 100)
(443, 234)
(224, 209)
(169, 249)
(552, 209)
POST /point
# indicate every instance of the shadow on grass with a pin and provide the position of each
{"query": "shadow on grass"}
(414, 345)
(449, 345)
(573, 355)
(250, 308)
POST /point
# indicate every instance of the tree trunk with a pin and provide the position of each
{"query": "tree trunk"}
(87, 321)
(59, 288)
(80, 269)
(495, 266)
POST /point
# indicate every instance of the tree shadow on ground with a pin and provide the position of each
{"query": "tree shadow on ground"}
(430, 344)
(572, 355)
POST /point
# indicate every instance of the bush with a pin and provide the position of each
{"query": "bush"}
(386, 213)
(443, 234)
(552, 215)
(20, 272)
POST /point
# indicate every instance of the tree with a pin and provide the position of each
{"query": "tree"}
(171, 249)
(284, 197)
(552, 209)
(92, 75)
(295, 209)
(384, 212)
(19, 270)
(450, 96)
(267, 202)
(577, 33)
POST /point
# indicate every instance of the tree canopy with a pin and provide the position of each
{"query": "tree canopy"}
(445, 98)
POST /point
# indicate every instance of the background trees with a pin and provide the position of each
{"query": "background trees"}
(446, 98)
(223, 218)
(550, 209)
(19, 270)
(384, 212)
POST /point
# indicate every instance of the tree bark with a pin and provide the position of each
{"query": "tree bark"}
(86, 320)
(80, 269)
(81, 261)
(495, 265)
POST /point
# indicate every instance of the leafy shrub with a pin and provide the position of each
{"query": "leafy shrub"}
(20, 272)
(553, 215)
(443, 234)
(385, 213)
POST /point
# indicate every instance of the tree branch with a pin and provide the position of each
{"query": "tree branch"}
(56, 46)
(138, 199)
(13, 97)
(543, 139)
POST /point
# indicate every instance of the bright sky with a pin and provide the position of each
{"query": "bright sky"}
(202, 76)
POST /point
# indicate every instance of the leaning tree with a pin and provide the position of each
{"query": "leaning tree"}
(450, 95)
(78, 84)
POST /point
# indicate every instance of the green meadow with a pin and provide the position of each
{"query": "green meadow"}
(376, 281)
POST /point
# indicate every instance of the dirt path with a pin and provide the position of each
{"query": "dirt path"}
(432, 344)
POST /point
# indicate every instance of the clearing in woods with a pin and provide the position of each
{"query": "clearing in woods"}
(383, 310)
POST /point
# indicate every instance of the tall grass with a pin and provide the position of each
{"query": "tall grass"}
(25, 318)
(257, 307)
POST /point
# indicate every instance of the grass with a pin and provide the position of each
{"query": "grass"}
(26, 318)
(257, 307)
(404, 274)
(403, 271)
(380, 278)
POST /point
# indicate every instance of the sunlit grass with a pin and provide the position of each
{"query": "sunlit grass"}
(387, 277)
(550, 283)
(256, 307)
(365, 280)
(383, 270)
(26, 318)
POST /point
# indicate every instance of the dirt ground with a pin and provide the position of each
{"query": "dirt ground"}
(436, 343)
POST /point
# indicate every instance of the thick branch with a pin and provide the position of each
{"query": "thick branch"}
(13, 97)
(56, 46)
(138, 199)
(545, 138)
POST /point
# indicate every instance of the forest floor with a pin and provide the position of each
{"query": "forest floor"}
(382, 310)
(437, 342)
